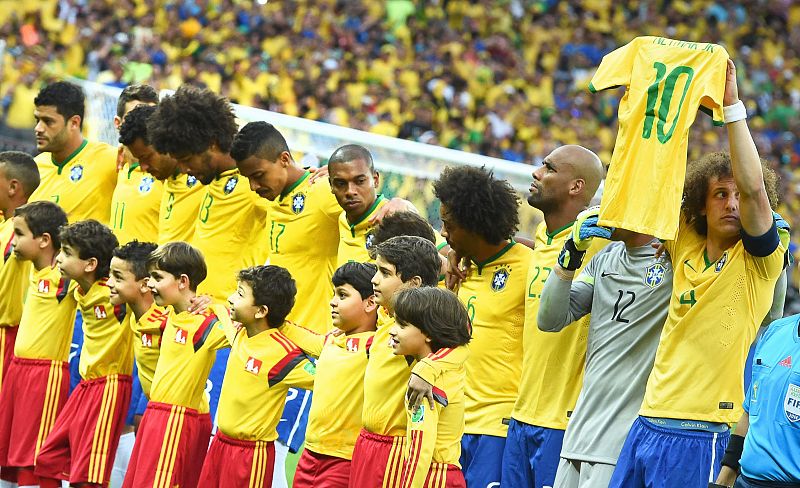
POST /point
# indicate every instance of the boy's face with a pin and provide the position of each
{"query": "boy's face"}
(243, 306)
(26, 246)
(165, 287)
(385, 282)
(407, 340)
(70, 263)
(348, 309)
(125, 288)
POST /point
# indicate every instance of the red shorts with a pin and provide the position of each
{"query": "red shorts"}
(8, 336)
(377, 461)
(316, 470)
(31, 400)
(253, 466)
(83, 442)
(171, 444)
(441, 475)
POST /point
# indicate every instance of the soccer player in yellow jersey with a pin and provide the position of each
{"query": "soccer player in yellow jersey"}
(431, 322)
(137, 196)
(197, 127)
(378, 454)
(71, 167)
(182, 194)
(494, 293)
(262, 365)
(37, 380)
(552, 364)
(173, 436)
(19, 177)
(335, 417)
(727, 256)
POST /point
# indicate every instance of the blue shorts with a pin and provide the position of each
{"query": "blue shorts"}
(141, 405)
(658, 457)
(136, 395)
(75, 352)
(531, 456)
(292, 426)
(482, 459)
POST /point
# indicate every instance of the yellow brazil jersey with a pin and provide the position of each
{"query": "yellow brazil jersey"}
(230, 232)
(82, 184)
(714, 313)
(134, 205)
(334, 420)
(14, 274)
(259, 373)
(355, 239)
(147, 343)
(304, 239)
(552, 364)
(666, 82)
(188, 349)
(107, 339)
(180, 204)
(494, 293)
(434, 434)
(48, 317)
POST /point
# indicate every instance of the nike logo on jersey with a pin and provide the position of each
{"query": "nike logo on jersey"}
(604, 274)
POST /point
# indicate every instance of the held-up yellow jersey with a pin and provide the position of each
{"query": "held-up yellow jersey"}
(14, 275)
(82, 184)
(107, 339)
(434, 434)
(147, 343)
(494, 294)
(229, 232)
(188, 349)
(259, 373)
(552, 364)
(334, 421)
(714, 313)
(304, 239)
(180, 204)
(667, 81)
(48, 316)
(134, 205)
(355, 239)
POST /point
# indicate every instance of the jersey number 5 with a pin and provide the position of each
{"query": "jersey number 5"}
(666, 100)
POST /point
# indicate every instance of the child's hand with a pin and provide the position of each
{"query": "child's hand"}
(199, 304)
(418, 390)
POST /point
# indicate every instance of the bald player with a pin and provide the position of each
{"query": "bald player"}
(552, 364)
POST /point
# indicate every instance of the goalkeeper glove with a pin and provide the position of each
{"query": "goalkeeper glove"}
(779, 222)
(570, 257)
(586, 228)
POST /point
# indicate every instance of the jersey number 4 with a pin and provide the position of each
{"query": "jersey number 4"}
(653, 92)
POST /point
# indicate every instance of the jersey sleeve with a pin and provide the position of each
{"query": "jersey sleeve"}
(293, 369)
(307, 340)
(422, 431)
(430, 367)
(302, 375)
(770, 267)
(615, 69)
(556, 313)
(714, 87)
(223, 331)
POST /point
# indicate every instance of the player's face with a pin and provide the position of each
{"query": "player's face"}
(457, 238)
(385, 282)
(267, 178)
(197, 165)
(243, 306)
(407, 340)
(722, 208)
(354, 185)
(348, 309)
(26, 246)
(70, 263)
(161, 166)
(51, 130)
(124, 286)
(164, 286)
(551, 182)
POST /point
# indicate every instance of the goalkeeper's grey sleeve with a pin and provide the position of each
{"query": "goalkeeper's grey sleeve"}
(564, 302)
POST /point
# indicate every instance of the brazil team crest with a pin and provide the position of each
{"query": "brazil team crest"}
(190, 181)
(146, 185)
(654, 275)
(791, 404)
(298, 203)
(230, 185)
(76, 173)
(368, 240)
(500, 279)
(721, 262)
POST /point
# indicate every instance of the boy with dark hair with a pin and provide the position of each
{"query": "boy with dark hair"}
(431, 323)
(402, 224)
(494, 290)
(19, 177)
(37, 379)
(174, 432)
(335, 417)
(262, 365)
(84, 439)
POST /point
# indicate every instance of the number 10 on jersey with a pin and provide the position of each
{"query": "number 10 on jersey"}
(655, 91)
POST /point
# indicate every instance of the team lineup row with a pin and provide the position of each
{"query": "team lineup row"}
(611, 399)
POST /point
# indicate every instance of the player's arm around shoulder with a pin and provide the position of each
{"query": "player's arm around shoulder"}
(309, 341)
